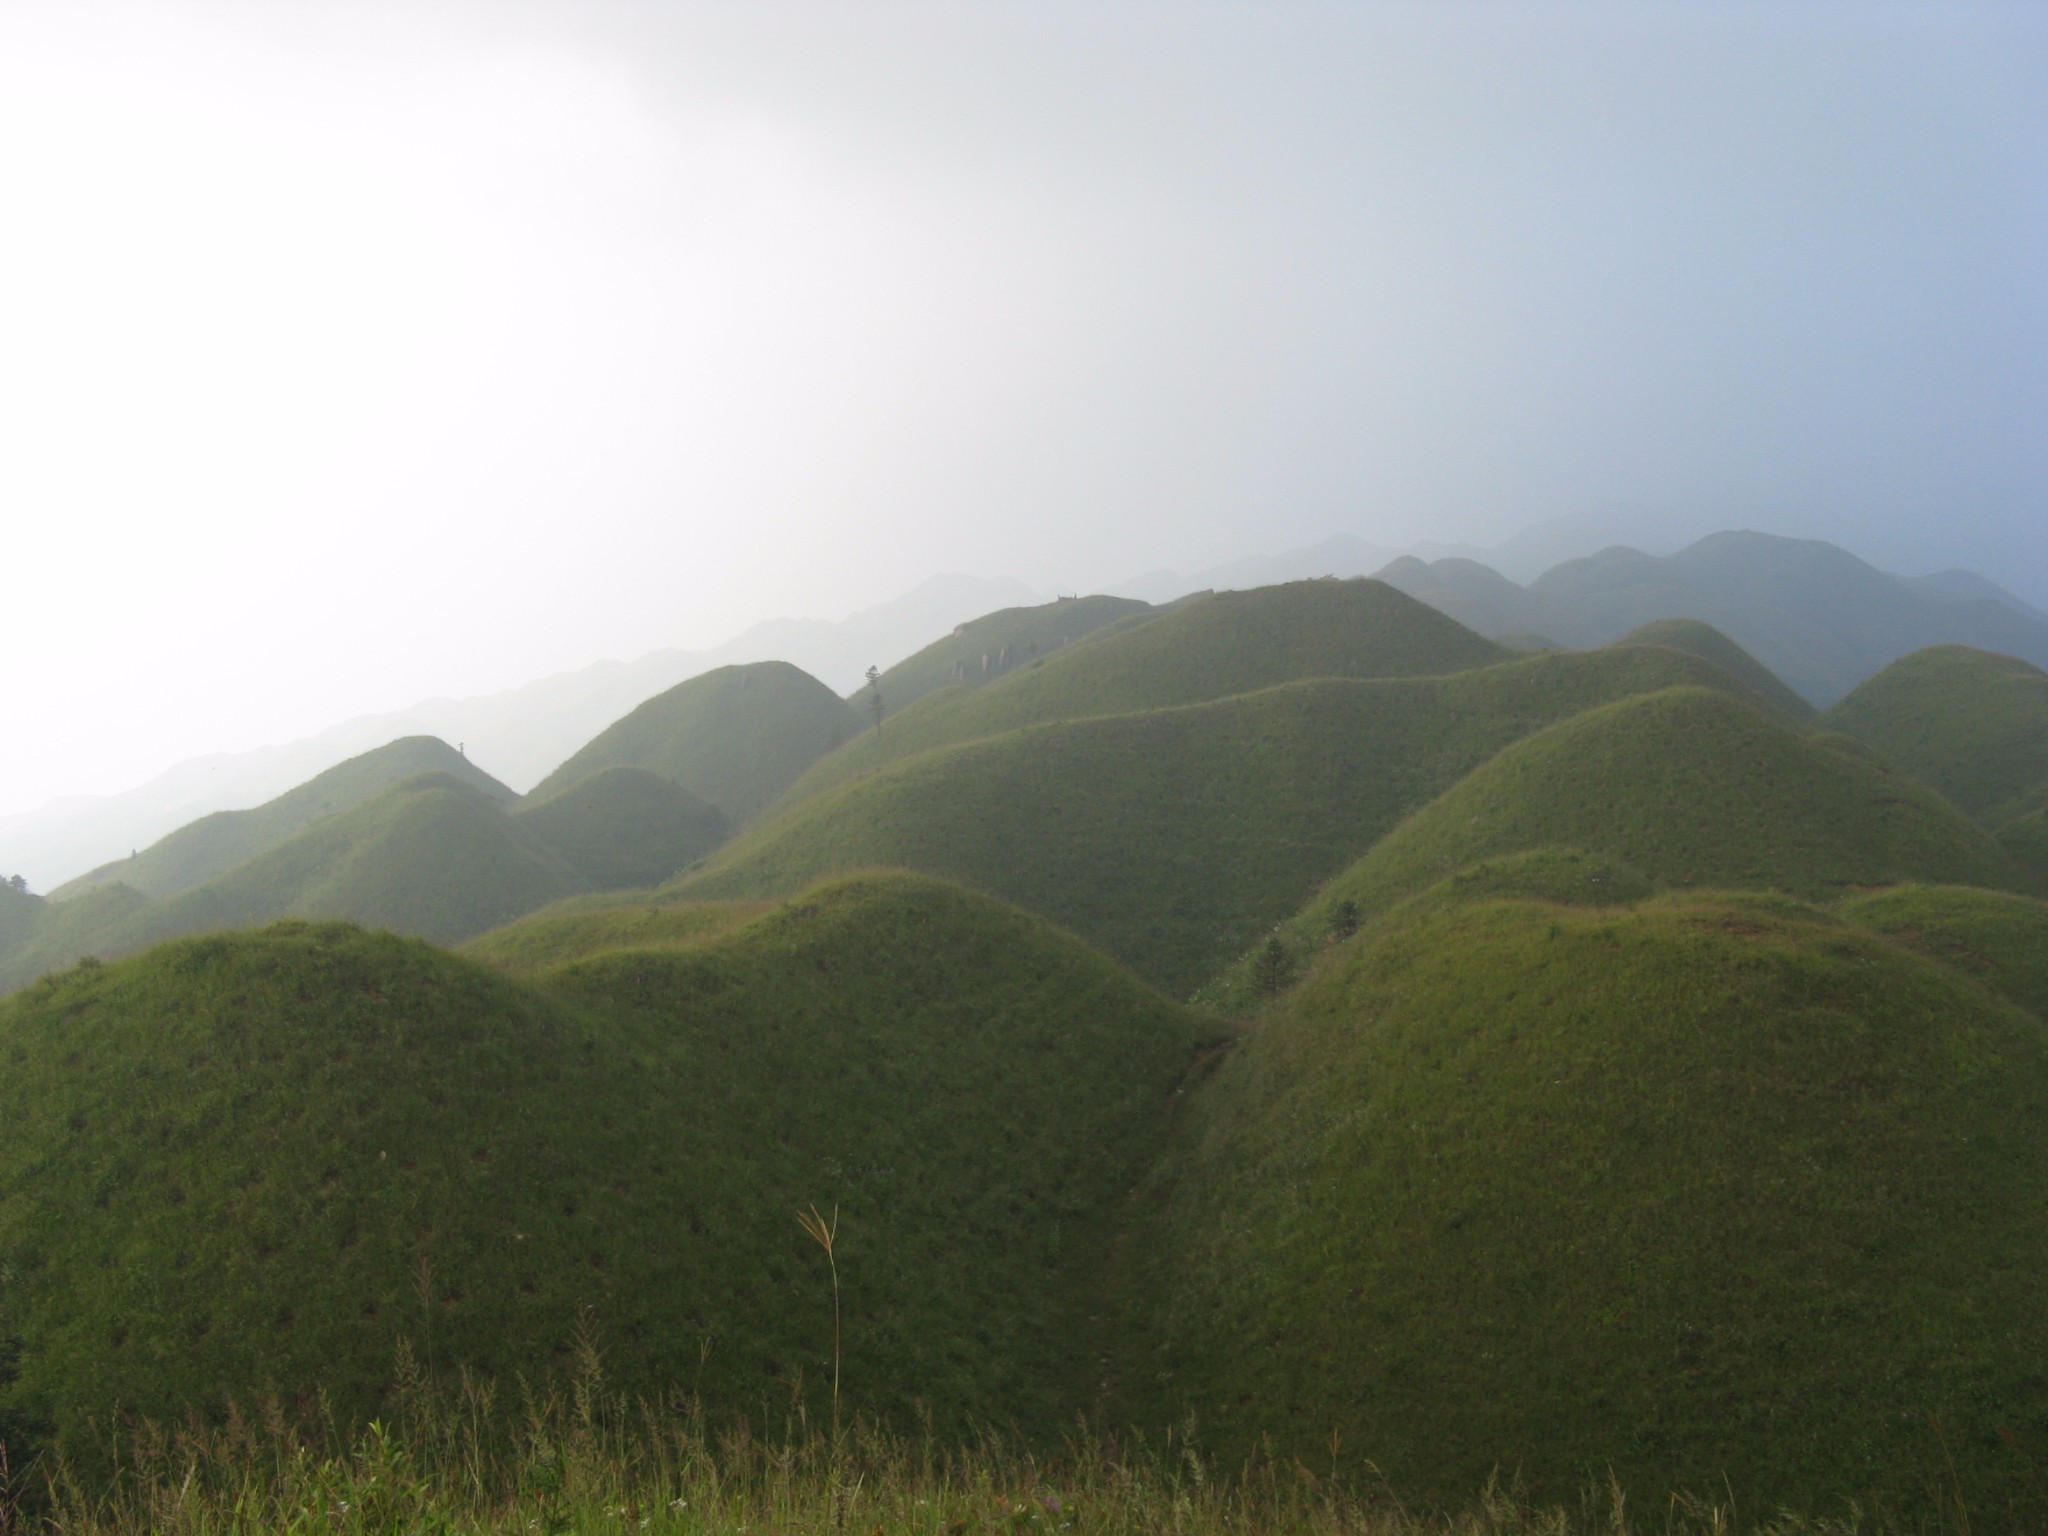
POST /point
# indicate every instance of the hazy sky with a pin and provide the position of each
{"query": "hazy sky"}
(354, 352)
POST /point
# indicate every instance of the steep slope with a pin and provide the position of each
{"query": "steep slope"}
(195, 853)
(1708, 1195)
(1973, 725)
(996, 644)
(625, 827)
(1209, 647)
(1173, 837)
(351, 1139)
(1706, 641)
(736, 737)
(1690, 787)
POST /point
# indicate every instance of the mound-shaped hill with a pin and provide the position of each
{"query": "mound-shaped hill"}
(996, 644)
(1972, 724)
(736, 737)
(1172, 838)
(1696, 1191)
(1207, 648)
(46, 935)
(625, 827)
(1707, 641)
(195, 853)
(2026, 839)
(351, 1138)
(1995, 936)
(1691, 787)
(579, 927)
(433, 858)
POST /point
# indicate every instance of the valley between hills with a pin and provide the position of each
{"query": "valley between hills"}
(1390, 1033)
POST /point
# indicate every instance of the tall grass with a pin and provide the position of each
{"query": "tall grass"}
(581, 1459)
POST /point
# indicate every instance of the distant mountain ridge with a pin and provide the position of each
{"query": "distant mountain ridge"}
(1813, 613)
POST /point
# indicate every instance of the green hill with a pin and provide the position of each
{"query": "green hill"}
(996, 644)
(1710, 1194)
(1690, 787)
(1999, 938)
(736, 737)
(625, 827)
(195, 853)
(1172, 838)
(43, 935)
(1206, 648)
(2026, 839)
(579, 927)
(1706, 641)
(1972, 724)
(256, 1161)
(433, 858)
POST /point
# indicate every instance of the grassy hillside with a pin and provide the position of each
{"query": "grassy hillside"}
(1207, 648)
(197, 852)
(625, 827)
(579, 927)
(346, 1139)
(1999, 938)
(433, 858)
(1972, 724)
(736, 737)
(1706, 641)
(1710, 1190)
(1689, 787)
(1172, 838)
(996, 644)
(42, 935)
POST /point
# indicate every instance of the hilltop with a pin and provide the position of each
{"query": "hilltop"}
(1209, 647)
(736, 737)
(625, 827)
(996, 644)
(1173, 837)
(1711, 1194)
(1684, 787)
(1973, 725)
(198, 851)
(1705, 641)
(353, 1139)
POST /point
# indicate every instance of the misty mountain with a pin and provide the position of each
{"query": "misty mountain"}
(1816, 615)
(519, 735)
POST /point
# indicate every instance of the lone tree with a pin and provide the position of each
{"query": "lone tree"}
(875, 695)
(1345, 923)
(1274, 968)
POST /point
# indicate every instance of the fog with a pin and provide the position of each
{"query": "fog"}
(354, 353)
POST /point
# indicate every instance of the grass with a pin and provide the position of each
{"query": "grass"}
(735, 737)
(623, 827)
(300, 1145)
(1175, 838)
(1716, 1192)
(1998, 938)
(1972, 724)
(197, 852)
(1686, 787)
(1207, 648)
(584, 1459)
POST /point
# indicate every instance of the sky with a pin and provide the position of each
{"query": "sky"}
(353, 353)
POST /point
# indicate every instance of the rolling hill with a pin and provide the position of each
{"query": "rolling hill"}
(625, 827)
(1173, 837)
(350, 1139)
(1995, 936)
(1713, 1194)
(1208, 647)
(1705, 641)
(198, 851)
(996, 644)
(736, 737)
(1972, 724)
